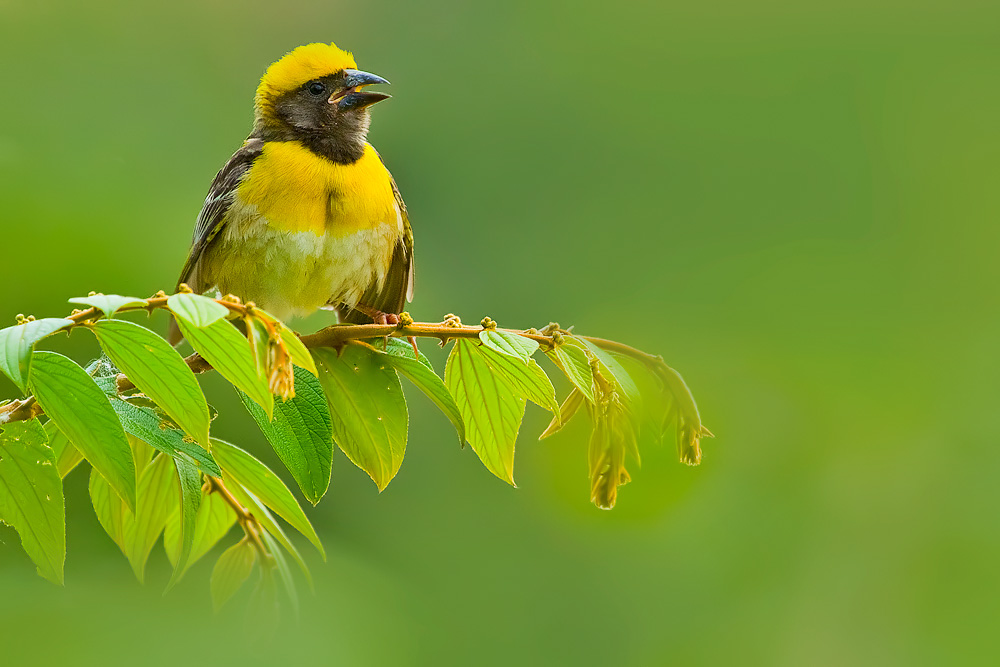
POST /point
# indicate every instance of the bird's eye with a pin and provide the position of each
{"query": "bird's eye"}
(315, 88)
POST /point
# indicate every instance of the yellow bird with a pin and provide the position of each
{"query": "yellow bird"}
(305, 214)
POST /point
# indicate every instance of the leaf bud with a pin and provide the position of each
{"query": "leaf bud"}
(549, 329)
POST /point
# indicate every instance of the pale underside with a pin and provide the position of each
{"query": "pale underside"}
(293, 274)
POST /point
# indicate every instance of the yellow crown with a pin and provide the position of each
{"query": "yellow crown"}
(297, 67)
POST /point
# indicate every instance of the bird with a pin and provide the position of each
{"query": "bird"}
(305, 215)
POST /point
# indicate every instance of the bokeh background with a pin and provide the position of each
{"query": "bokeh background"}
(795, 203)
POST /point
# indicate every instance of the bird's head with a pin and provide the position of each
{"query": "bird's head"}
(314, 95)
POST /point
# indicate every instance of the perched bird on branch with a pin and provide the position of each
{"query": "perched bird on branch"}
(305, 214)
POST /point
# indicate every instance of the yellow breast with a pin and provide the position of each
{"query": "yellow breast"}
(298, 191)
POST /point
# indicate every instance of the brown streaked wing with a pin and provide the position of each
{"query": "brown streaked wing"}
(212, 218)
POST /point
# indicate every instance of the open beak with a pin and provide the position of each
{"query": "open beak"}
(351, 97)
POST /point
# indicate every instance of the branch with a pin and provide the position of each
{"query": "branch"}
(248, 522)
(337, 336)
(490, 375)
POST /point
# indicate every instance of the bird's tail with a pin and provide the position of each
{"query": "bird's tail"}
(347, 315)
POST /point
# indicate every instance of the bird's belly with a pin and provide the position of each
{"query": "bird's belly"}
(295, 273)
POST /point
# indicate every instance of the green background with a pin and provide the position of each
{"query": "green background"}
(795, 203)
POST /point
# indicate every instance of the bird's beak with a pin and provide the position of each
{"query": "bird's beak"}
(351, 97)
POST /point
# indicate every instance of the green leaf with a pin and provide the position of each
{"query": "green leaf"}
(420, 372)
(135, 534)
(259, 340)
(67, 456)
(31, 496)
(490, 407)
(614, 433)
(659, 408)
(229, 353)
(400, 348)
(109, 304)
(298, 351)
(146, 425)
(566, 411)
(82, 412)
(257, 478)
(231, 571)
(158, 371)
(196, 310)
(627, 421)
(301, 434)
(616, 417)
(283, 570)
(604, 473)
(613, 367)
(264, 606)
(368, 409)
(157, 497)
(190, 485)
(253, 504)
(215, 518)
(508, 343)
(16, 344)
(574, 361)
(690, 429)
(142, 454)
(109, 508)
(525, 379)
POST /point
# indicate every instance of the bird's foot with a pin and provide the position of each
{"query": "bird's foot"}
(388, 319)
(391, 319)
(378, 317)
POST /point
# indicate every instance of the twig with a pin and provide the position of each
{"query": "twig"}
(244, 517)
(338, 334)
(334, 336)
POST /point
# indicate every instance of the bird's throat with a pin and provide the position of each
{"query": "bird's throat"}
(342, 141)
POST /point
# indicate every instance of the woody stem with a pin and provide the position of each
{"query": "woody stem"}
(247, 521)
(332, 336)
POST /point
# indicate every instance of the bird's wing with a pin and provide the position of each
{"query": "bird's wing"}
(211, 220)
(398, 286)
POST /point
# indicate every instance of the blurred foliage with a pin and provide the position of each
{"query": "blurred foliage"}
(795, 203)
(139, 418)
